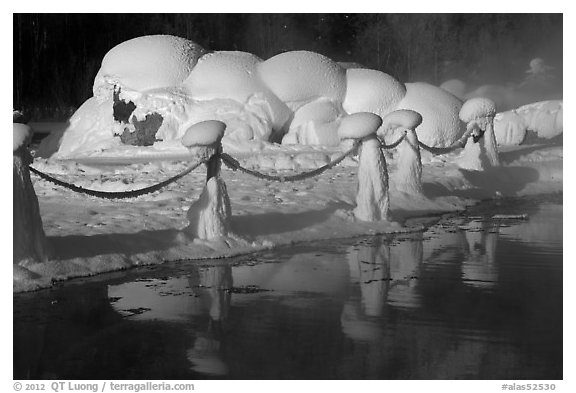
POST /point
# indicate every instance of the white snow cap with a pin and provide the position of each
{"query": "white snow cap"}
(359, 125)
(477, 108)
(149, 62)
(404, 118)
(302, 76)
(205, 133)
(22, 135)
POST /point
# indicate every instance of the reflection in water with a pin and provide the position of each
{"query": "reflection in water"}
(459, 301)
(479, 267)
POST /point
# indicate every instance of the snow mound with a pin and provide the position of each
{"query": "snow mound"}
(455, 87)
(315, 123)
(205, 133)
(22, 134)
(403, 118)
(371, 91)
(91, 128)
(543, 118)
(299, 77)
(477, 108)
(148, 62)
(359, 125)
(504, 97)
(439, 109)
(234, 75)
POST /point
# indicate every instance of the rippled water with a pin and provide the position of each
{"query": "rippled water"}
(472, 297)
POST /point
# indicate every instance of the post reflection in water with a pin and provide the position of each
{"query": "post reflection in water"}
(478, 266)
(470, 299)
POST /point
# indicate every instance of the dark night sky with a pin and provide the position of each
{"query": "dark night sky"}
(56, 56)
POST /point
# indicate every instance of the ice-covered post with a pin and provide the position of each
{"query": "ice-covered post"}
(408, 176)
(478, 114)
(209, 216)
(30, 243)
(372, 199)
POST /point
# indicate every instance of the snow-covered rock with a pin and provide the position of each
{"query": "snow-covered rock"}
(234, 75)
(148, 62)
(455, 87)
(315, 123)
(300, 77)
(441, 125)
(371, 91)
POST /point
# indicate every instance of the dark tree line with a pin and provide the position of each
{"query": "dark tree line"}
(56, 56)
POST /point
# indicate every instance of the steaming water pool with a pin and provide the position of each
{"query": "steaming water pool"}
(471, 297)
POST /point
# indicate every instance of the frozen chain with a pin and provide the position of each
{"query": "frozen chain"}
(115, 194)
(233, 164)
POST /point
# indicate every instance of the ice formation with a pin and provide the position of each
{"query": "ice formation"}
(372, 202)
(209, 216)
(29, 240)
(408, 176)
(481, 153)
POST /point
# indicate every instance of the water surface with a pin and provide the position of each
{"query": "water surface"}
(471, 297)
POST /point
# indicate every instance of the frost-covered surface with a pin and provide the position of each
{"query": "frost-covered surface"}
(90, 235)
(315, 123)
(477, 108)
(359, 125)
(439, 109)
(402, 118)
(205, 133)
(408, 177)
(21, 136)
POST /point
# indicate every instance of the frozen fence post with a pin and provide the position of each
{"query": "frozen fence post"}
(372, 198)
(408, 176)
(209, 216)
(30, 243)
(478, 114)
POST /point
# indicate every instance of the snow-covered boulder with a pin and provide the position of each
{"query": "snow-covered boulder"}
(29, 240)
(371, 91)
(439, 109)
(234, 75)
(455, 87)
(315, 123)
(148, 62)
(300, 77)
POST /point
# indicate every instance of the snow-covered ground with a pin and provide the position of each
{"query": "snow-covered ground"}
(90, 235)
